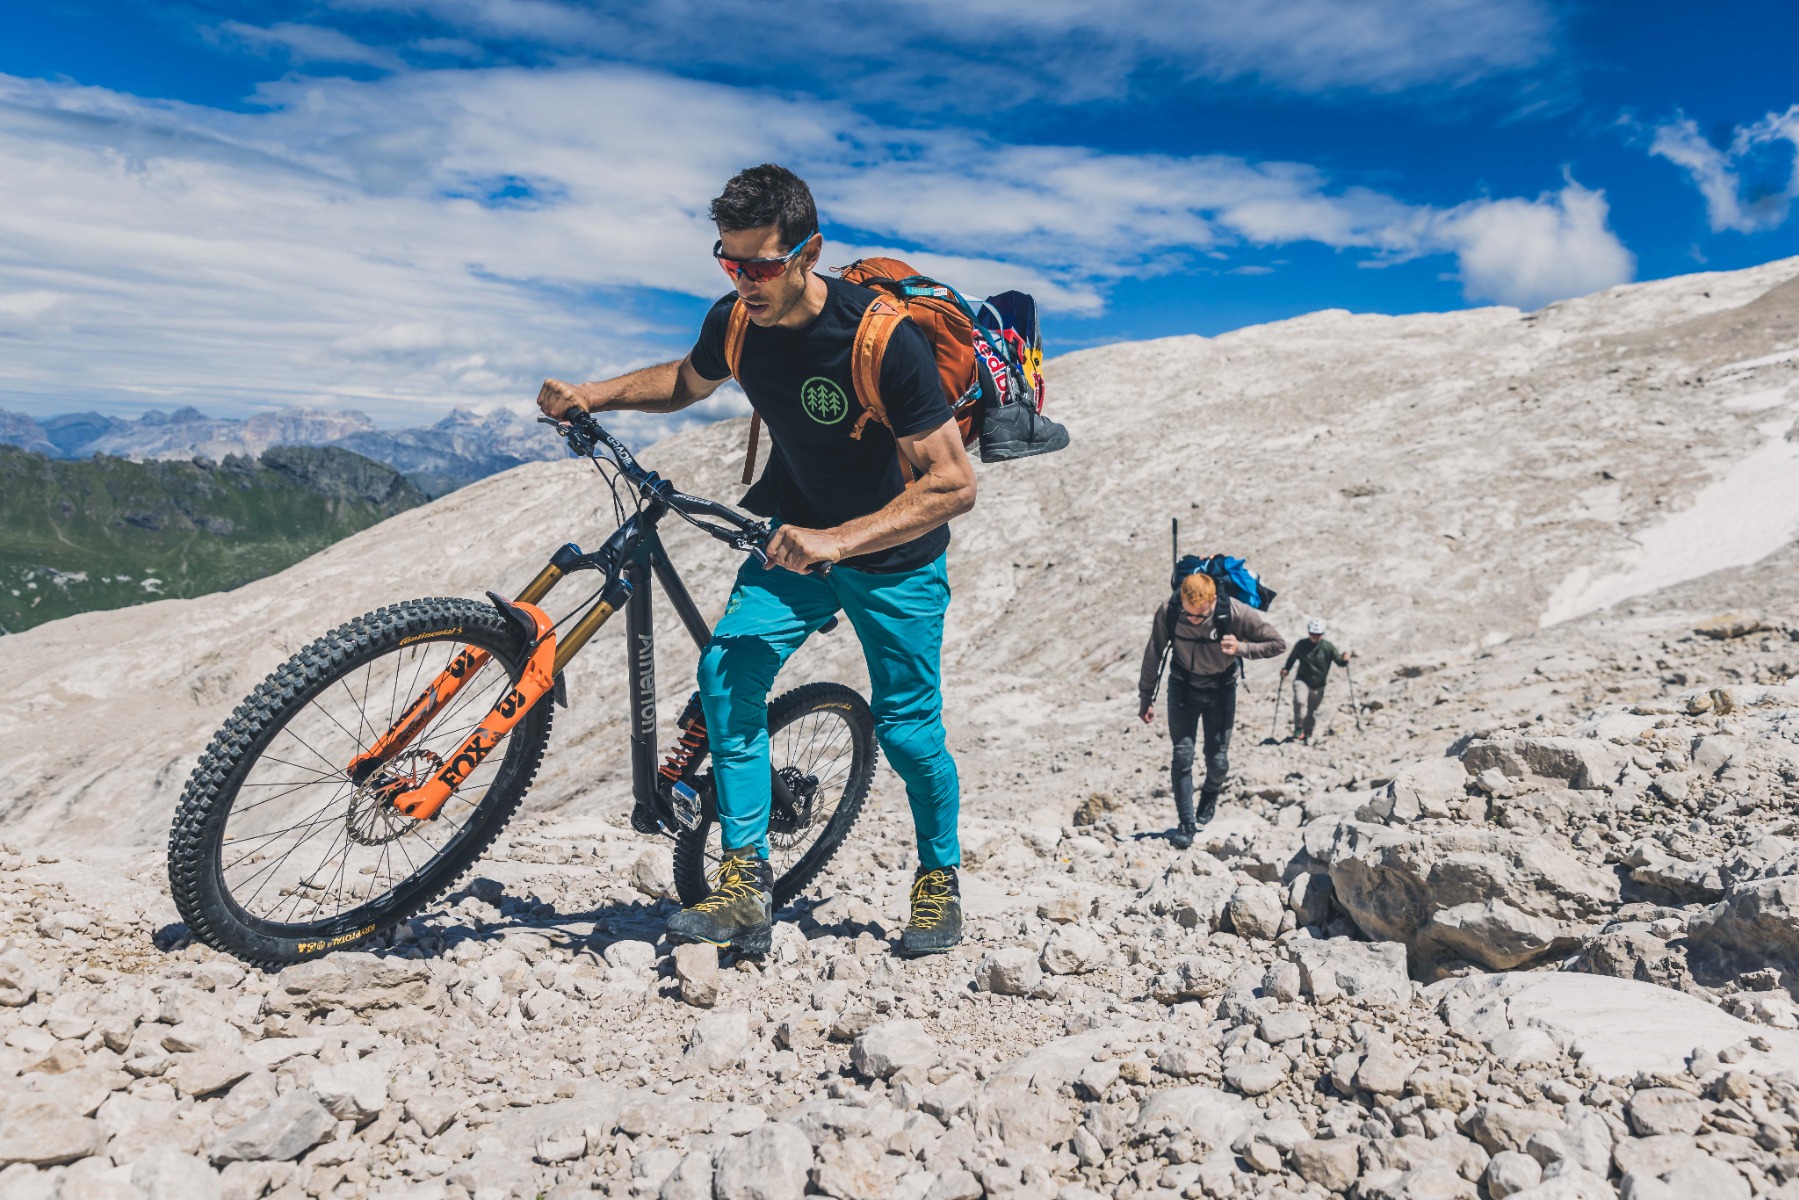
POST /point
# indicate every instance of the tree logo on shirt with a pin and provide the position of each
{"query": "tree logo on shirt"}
(823, 400)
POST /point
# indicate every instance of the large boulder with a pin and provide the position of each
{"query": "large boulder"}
(1367, 972)
(352, 980)
(1756, 925)
(1426, 788)
(1486, 896)
(1577, 762)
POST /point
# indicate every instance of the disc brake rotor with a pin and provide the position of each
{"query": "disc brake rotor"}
(373, 820)
(786, 824)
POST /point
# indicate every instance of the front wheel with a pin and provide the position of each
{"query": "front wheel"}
(279, 852)
(821, 742)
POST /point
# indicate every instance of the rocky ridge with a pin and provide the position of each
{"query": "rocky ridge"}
(1521, 923)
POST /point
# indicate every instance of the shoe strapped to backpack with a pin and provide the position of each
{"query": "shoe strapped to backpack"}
(738, 912)
(936, 921)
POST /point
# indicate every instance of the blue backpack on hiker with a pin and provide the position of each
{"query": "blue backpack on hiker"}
(1235, 581)
(1233, 577)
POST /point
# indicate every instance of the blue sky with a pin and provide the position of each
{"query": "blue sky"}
(403, 205)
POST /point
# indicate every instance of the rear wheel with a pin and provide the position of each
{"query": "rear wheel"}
(821, 740)
(277, 855)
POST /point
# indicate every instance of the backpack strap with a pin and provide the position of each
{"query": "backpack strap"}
(1221, 628)
(879, 320)
(735, 328)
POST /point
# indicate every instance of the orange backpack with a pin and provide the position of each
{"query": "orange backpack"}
(972, 360)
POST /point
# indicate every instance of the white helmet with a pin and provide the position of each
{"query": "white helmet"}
(1315, 625)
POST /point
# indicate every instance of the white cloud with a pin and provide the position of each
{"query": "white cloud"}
(1017, 51)
(1718, 173)
(450, 237)
(308, 44)
(1530, 252)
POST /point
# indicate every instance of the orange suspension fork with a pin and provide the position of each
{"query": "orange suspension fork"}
(418, 714)
(534, 682)
(440, 691)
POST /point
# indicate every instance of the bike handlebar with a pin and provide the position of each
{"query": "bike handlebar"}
(588, 437)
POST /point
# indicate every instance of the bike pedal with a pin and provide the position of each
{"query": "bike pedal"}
(684, 805)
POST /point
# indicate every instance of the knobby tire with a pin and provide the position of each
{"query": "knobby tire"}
(694, 857)
(197, 867)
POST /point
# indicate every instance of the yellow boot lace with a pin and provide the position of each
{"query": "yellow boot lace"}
(734, 880)
(930, 899)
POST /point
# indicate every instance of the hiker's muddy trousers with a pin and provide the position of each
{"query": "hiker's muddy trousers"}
(1305, 713)
(899, 620)
(1194, 712)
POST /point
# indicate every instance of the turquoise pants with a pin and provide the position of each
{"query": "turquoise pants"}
(899, 620)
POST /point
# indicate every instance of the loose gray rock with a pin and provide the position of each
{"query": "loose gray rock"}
(208, 1072)
(1071, 950)
(955, 1185)
(630, 955)
(352, 980)
(768, 1163)
(1191, 977)
(1255, 911)
(719, 1040)
(18, 979)
(172, 1175)
(1509, 1172)
(1255, 1078)
(43, 1133)
(653, 873)
(352, 1091)
(1384, 1071)
(893, 1046)
(1712, 1178)
(1654, 1111)
(1284, 1026)
(1372, 973)
(1009, 971)
(283, 1131)
(696, 967)
(433, 1113)
(1652, 1156)
(1331, 1163)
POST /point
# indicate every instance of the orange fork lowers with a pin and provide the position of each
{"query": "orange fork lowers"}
(534, 682)
(418, 714)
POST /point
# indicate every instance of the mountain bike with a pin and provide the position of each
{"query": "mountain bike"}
(364, 777)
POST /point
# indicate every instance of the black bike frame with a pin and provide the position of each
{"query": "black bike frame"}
(632, 559)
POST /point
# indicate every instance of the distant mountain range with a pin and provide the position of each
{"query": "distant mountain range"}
(105, 532)
(461, 448)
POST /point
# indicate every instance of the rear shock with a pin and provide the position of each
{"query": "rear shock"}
(680, 801)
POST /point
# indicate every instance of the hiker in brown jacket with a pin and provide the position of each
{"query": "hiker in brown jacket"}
(1211, 635)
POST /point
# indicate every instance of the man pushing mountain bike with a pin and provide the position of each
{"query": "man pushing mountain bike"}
(851, 534)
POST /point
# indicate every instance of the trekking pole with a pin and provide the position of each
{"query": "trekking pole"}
(1274, 729)
(1354, 708)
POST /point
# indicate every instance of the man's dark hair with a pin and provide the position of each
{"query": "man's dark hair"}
(767, 195)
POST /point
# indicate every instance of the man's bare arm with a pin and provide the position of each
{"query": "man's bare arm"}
(943, 490)
(664, 388)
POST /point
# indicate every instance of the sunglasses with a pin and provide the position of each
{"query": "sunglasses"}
(759, 270)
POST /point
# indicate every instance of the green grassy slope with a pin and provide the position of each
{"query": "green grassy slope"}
(105, 532)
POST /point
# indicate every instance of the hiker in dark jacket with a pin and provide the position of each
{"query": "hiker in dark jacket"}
(1314, 656)
(1202, 685)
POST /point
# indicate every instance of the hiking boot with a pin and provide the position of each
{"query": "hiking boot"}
(1208, 807)
(1018, 430)
(1182, 837)
(738, 912)
(936, 923)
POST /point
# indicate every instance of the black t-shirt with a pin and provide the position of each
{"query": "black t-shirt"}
(799, 381)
